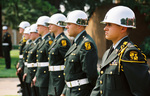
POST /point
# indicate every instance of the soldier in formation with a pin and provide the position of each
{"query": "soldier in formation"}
(31, 64)
(54, 67)
(81, 59)
(22, 43)
(124, 70)
(41, 78)
(57, 53)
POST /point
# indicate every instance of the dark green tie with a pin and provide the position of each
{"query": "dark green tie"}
(110, 51)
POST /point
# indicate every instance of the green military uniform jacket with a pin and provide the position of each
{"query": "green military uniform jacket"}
(7, 39)
(80, 63)
(7, 46)
(25, 53)
(57, 52)
(42, 74)
(31, 59)
(22, 44)
(123, 73)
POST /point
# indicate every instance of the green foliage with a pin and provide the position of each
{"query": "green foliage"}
(145, 47)
(9, 72)
(141, 5)
(15, 11)
(15, 46)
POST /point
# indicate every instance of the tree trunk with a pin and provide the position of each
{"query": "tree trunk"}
(1, 52)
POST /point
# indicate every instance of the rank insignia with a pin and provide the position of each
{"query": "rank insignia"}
(63, 42)
(50, 42)
(87, 46)
(134, 55)
(24, 40)
(8, 35)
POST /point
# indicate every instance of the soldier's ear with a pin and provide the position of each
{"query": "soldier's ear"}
(124, 29)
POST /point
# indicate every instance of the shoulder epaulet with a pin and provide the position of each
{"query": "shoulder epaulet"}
(120, 53)
(140, 51)
(132, 54)
(122, 48)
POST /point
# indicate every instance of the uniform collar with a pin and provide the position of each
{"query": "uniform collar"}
(36, 40)
(59, 35)
(28, 41)
(126, 39)
(78, 36)
(81, 37)
(114, 46)
(45, 35)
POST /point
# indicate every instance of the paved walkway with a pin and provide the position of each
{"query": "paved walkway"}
(8, 86)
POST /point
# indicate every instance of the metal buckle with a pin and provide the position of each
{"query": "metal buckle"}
(78, 82)
(70, 84)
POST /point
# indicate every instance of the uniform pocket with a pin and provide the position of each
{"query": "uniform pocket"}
(74, 63)
(113, 77)
(54, 51)
(57, 78)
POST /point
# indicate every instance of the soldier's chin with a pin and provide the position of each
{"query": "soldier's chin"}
(107, 38)
(39, 33)
(70, 35)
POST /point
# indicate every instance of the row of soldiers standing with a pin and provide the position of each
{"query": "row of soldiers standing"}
(42, 57)
(53, 67)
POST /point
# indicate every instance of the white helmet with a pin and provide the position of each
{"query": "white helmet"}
(24, 24)
(27, 30)
(43, 20)
(5, 28)
(58, 19)
(77, 17)
(122, 16)
(33, 28)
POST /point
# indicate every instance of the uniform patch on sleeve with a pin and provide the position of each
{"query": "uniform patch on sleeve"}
(134, 55)
(50, 42)
(64, 42)
(87, 45)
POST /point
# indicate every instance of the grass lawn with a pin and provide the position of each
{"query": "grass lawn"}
(9, 72)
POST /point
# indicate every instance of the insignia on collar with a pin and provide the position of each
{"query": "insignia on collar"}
(64, 42)
(87, 45)
(134, 55)
(24, 40)
(8, 35)
(50, 42)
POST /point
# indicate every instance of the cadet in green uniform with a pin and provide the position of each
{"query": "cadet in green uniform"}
(57, 52)
(7, 46)
(42, 75)
(124, 70)
(22, 43)
(81, 59)
(25, 53)
(31, 59)
(22, 26)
